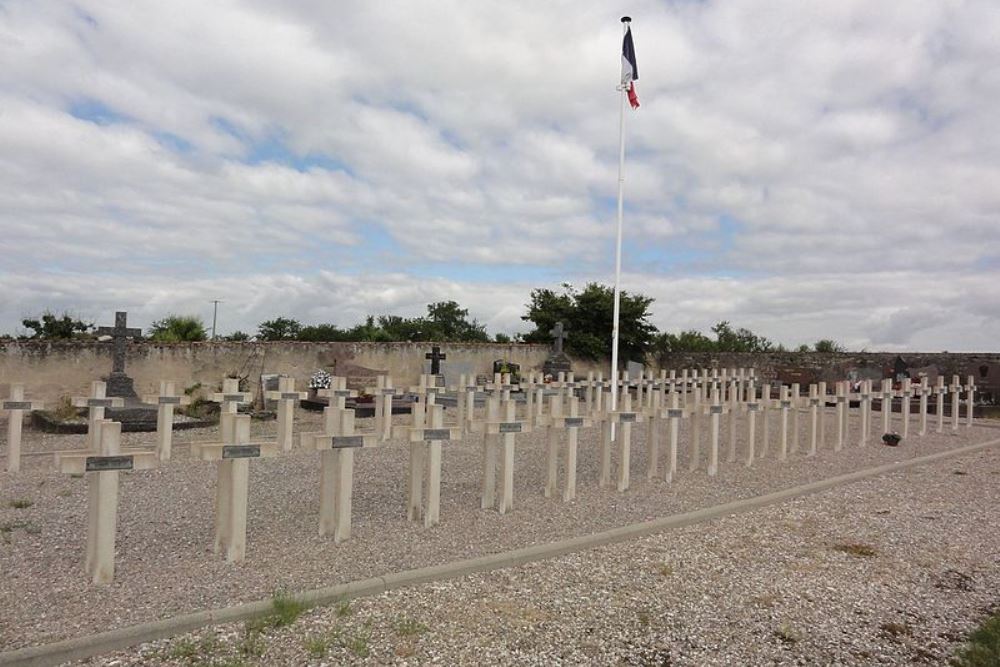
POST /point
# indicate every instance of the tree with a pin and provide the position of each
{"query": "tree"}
(827, 345)
(50, 327)
(280, 328)
(728, 339)
(237, 336)
(322, 333)
(178, 329)
(587, 317)
(502, 338)
(450, 322)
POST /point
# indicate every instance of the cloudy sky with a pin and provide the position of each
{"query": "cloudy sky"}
(805, 169)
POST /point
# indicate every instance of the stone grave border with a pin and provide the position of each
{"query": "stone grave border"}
(80, 648)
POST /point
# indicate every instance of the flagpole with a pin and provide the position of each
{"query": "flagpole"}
(618, 244)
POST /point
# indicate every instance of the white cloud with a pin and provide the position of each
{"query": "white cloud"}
(323, 161)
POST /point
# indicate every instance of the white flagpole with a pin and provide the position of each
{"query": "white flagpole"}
(618, 244)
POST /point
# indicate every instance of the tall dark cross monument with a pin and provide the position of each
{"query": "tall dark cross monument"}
(436, 358)
(557, 362)
(120, 384)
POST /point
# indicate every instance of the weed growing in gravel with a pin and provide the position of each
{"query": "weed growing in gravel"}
(643, 617)
(184, 649)
(64, 409)
(407, 627)
(21, 503)
(253, 644)
(9, 527)
(666, 570)
(788, 635)
(896, 630)
(343, 608)
(286, 610)
(982, 647)
(316, 646)
(857, 549)
(357, 643)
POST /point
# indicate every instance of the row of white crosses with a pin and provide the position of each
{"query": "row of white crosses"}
(656, 399)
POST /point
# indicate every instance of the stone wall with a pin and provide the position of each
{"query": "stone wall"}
(52, 370)
(809, 367)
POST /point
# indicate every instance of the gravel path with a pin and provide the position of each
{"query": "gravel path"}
(164, 561)
(890, 571)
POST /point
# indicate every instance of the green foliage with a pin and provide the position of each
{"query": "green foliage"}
(51, 327)
(322, 333)
(727, 339)
(827, 345)
(502, 338)
(178, 329)
(280, 328)
(982, 648)
(450, 322)
(286, 610)
(237, 336)
(21, 503)
(587, 317)
(803, 348)
(407, 627)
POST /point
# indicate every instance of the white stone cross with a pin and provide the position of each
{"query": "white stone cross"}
(784, 404)
(923, 389)
(336, 446)
(821, 394)
(795, 397)
(572, 423)
(842, 403)
(906, 395)
(430, 437)
(764, 406)
(970, 397)
(96, 404)
(625, 417)
(752, 407)
(715, 410)
(887, 396)
(940, 390)
(232, 480)
(16, 405)
(673, 414)
(813, 418)
(101, 469)
(230, 397)
(165, 402)
(866, 413)
(956, 400)
(287, 397)
(507, 428)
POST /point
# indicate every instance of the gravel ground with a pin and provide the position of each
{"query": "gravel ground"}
(164, 561)
(893, 570)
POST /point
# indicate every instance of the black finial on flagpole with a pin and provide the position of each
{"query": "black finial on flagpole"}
(626, 19)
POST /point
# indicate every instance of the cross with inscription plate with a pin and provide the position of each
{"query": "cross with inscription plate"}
(287, 397)
(16, 405)
(906, 395)
(96, 404)
(165, 402)
(923, 390)
(625, 417)
(336, 446)
(233, 454)
(558, 336)
(230, 398)
(101, 469)
(572, 423)
(887, 396)
(751, 407)
(430, 437)
(507, 427)
(673, 415)
(715, 411)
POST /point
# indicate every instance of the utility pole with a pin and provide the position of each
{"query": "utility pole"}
(215, 315)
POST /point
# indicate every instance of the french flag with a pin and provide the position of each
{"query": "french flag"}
(630, 72)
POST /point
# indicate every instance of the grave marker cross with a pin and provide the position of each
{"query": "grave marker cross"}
(558, 336)
(436, 358)
(119, 333)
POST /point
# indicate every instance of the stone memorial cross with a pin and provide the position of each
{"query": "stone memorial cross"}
(16, 405)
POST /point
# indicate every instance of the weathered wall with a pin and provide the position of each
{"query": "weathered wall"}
(808, 367)
(51, 370)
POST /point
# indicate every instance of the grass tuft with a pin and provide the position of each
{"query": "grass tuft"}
(343, 608)
(857, 550)
(407, 627)
(286, 610)
(982, 647)
(788, 635)
(21, 503)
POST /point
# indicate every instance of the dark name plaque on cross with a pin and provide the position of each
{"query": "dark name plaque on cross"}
(437, 434)
(241, 451)
(573, 422)
(626, 417)
(17, 405)
(107, 463)
(347, 441)
(510, 427)
(169, 400)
